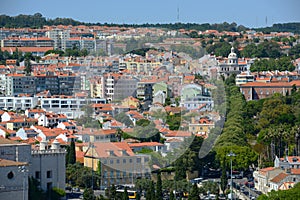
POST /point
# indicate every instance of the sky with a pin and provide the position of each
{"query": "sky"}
(251, 13)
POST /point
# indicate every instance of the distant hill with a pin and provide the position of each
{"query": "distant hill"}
(286, 27)
(38, 21)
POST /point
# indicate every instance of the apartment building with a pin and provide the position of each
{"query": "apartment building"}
(60, 37)
(18, 103)
(145, 89)
(70, 106)
(20, 84)
(97, 87)
(27, 42)
(47, 82)
(63, 83)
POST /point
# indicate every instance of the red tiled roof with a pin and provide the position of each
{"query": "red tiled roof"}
(279, 177)
(146, 144)
(27, 49)
(103, 148)
(178, 134)
(295, 171)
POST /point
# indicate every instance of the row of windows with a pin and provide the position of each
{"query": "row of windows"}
(117, 161)
(38, 174)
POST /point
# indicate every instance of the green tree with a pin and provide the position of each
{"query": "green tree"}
(28, 68)
(194, 195)
(34, 191)
(159, 193)
(57, 193)
(172, 196)
(224, 180)
(88, 194)
(150, 193)
(112, 192)
(125, 195)
(72, 153)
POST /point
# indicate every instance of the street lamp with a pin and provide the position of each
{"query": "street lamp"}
(231, 154)
(22, 169)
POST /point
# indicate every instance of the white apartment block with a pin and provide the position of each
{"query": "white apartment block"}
(60, 38)
(71, 107)
(18, 103)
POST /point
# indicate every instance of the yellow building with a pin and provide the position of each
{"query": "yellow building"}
(97, 88)
(118, 163)
(201, 126)
(131, 101)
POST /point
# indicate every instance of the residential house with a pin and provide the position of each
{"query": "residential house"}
(262, 178)
(25, 133)
(66, 126)
(96, 135)
(288, 162)
(34, 113)
(203, 125)
(50, 119)
(17, 123)
(131, 101)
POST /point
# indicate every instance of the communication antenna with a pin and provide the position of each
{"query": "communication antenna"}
(266, 21)
(177, 13)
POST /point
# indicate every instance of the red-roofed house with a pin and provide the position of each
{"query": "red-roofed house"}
(96, 135)
(66, 126)
(263, 177)
(202, 125)
(180, 135)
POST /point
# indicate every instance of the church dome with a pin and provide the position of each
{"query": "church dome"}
(232, 55)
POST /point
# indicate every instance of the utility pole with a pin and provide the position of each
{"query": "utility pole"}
(23, 170)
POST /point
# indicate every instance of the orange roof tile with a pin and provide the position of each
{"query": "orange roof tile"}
(279, 177)
(145, 144)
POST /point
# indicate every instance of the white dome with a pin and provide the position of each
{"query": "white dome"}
(232, 55)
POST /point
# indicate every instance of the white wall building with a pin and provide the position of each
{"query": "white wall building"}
(71, 107)
(17, 103)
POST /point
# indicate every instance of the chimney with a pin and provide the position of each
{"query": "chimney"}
(123, 152)
(55, 145)
(43, 144)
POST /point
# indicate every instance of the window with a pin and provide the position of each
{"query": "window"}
(49, 186)
(124, 160)
(37, 174)
(118, 161)
(10, 175)
(130, 160)
(138, 160)
(49, 174)
(111, 161)
(111, 173)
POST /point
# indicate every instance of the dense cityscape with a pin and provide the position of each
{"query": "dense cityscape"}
(155, 111)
